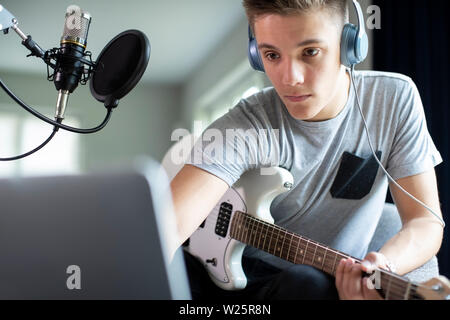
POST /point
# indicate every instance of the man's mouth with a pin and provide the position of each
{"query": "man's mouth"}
(298, 98)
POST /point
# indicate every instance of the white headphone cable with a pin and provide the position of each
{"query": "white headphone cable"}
(379, 163)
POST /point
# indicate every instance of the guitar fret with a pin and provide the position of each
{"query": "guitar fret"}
(269, 248)
(388, 290)
(395, 289)
(275, 245)
(259, 237)
(333, 271)
(255, 233)
(296, 251)
(247, 228)
(264, 231)
(408, 289)
(238, 227)
(270, 242)
(326, 262)
(289, 249)
(243, 228)
(251, 233)
(306, 250)
(324, 257)
(295, 248)
(314, 256)
(265, 237)
(283, 237)
(269, 238)
(302, 251)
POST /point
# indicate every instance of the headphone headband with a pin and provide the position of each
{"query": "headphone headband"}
(361, 26)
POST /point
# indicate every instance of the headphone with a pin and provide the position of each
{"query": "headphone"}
(354, 44)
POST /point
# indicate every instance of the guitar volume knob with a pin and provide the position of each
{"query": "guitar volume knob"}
(288, 185)
(212, 261)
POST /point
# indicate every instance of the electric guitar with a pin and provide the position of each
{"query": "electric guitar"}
(242, 217)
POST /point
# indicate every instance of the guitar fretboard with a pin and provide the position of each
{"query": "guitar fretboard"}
(300, 250)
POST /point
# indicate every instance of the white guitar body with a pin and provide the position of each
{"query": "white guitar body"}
(211, 243)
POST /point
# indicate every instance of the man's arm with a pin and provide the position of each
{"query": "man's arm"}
(421, 235)
(195, 192)
(417, 242)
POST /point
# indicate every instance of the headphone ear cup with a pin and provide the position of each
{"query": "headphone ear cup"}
(348, 45)
(362, 48)
(253, 54)
(353, 49)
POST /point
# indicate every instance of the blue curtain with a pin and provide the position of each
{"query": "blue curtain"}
(415, 40)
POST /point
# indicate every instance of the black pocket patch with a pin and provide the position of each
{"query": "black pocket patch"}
(355, 177)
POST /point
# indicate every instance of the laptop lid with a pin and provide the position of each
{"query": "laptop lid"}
(98, 236)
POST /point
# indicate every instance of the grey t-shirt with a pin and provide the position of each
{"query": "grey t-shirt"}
(313, 153)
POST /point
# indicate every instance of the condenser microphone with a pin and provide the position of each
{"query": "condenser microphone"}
(118, 69)
(70, 58)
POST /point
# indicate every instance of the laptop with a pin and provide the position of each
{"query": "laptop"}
(101, 236)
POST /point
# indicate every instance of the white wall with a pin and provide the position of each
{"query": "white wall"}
(231, 53)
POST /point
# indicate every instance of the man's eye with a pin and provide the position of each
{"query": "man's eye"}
(271, 56)
(311, 52)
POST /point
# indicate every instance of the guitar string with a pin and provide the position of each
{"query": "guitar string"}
(397, 283)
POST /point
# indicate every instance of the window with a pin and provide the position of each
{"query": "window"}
(239, 84)
(8, 136)
(59, 156)
(20, 134)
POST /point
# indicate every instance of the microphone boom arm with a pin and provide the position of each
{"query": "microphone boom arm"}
(27, 41)
(6, 19)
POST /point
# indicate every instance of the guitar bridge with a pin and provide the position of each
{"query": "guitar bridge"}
(223, 220)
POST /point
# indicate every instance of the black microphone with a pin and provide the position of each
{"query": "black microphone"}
(70, 60)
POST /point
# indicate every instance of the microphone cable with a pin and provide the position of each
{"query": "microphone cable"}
(52, 122)
(55, 129)
(56, 124)
(378, 161)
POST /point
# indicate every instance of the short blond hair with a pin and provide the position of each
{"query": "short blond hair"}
(255, 8)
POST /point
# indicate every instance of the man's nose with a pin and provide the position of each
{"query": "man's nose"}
(293, 73)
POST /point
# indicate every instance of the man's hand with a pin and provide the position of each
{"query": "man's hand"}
(349, 277)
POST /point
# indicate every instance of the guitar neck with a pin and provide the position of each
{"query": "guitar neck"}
(300, 250)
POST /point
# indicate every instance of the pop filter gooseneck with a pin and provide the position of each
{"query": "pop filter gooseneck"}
(120, 66)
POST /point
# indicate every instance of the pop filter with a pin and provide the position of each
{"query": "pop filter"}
(120, 66)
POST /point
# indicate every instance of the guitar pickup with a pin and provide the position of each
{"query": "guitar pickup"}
(223, 219)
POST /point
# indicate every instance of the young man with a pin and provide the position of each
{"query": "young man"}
(314, 107)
